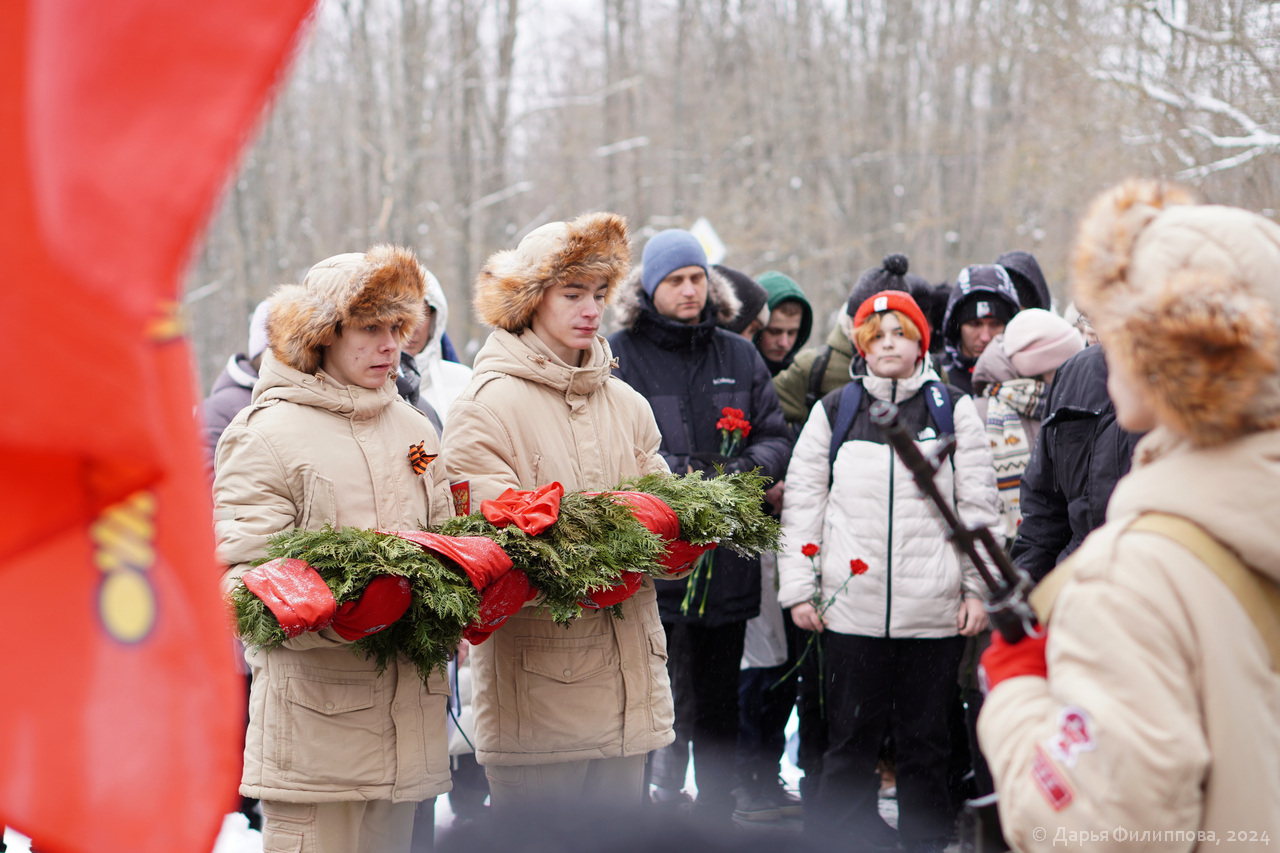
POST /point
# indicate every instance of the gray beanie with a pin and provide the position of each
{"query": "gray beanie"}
(667, 252)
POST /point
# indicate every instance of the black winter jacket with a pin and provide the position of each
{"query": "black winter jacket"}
(689, 374)
(1079, 455)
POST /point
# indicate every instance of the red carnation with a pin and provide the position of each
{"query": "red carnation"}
(733, 429)
(809, 550)
(857, 567)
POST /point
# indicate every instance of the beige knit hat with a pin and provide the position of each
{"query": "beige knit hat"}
(1188, 296)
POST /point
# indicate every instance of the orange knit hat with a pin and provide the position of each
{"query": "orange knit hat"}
(894, 300)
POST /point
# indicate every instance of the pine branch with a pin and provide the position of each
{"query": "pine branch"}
(594, 540)
(727, 509)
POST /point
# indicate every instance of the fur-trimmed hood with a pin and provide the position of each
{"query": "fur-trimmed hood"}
(1188, 296)
(383, 285)
(633, 299)
(511, 283)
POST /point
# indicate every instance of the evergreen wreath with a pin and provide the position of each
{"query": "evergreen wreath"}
(444, 601)
(593, 541)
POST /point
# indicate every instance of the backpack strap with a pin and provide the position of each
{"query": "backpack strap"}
(1258, 594)
(846, 410)
(817, 371)
(939, 402)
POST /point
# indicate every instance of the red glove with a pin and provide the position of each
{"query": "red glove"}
(1004, 660)
(500, 599)
(682, 555)
(295, 594)
(383, 601)
(651, 511)
(481, 558)
(616, 594)
(533, 512)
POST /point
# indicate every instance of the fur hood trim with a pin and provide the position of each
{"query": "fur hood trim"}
(511, 283)
(1188, 297)
(383, 285)
(720, 294)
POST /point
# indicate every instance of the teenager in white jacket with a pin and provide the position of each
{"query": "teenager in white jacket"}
(887, 594)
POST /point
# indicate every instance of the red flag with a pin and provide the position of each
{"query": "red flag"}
(119, 122)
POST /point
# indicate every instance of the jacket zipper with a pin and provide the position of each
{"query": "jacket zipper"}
(888, 551)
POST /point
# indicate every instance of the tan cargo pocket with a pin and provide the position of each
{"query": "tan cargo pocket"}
(569, 692)
(332, 731)
(278, 840)
(662, 714)
(567, 660)
(321, 507)
(328, 698)
(437, 683)
(287, 825)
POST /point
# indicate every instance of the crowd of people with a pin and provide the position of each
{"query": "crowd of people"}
(866, 623)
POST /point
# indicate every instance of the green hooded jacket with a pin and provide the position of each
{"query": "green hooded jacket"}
(782, 287)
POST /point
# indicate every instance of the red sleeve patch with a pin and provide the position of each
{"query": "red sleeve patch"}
(1075, 735)
(1052, 785)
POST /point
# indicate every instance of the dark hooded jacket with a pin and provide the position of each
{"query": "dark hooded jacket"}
(780, 288)
(959, 367)
(1080, 454)
(1024, 270)
(689, 374)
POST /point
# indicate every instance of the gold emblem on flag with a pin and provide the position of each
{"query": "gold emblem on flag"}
(124, 551)
(169, 323)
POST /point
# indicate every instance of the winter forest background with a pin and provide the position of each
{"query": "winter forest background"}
(815, 135)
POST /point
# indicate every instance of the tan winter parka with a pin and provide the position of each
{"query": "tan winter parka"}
(545, 693)
(323, 724)
(1158, 727)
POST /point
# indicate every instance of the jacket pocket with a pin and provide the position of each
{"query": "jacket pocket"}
(569, 693)
(332, 731)
(321, 507)
(435, 710)
(282, 841)
(289, 823)
(662, 714)
(437, 684)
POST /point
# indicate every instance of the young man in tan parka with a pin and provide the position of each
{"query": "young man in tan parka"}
(562, 714)
(1150, 719)
(338, 752)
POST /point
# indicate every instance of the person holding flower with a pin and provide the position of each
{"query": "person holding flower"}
(672, 350)
(866, 566)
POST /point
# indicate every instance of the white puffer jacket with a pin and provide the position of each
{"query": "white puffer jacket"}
(872, 511)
